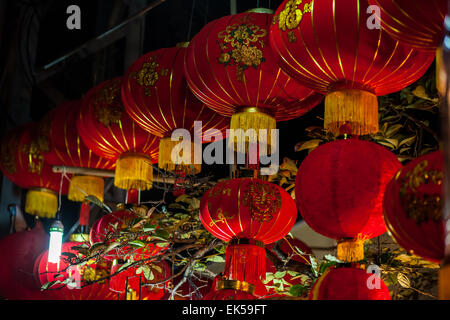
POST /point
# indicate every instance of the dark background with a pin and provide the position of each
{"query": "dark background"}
(33, 34)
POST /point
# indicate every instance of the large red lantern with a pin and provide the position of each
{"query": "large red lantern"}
(349, 284)
(156, 96)
(413, 207)
(339, 191)
(327, 46)
(232, 69)
(23, 163)
(45, 272)
(66, 148)
(112, 223)
(136, 286)
(106, 129)
(18, 252)
(248, 213)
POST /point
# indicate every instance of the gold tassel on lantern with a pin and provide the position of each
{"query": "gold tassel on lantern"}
(134, 171)
(350, 250)
(81, 186)
(441, 75)
(444, 283)
(41, 202)
(355, 109)
(165, 161)
(251, 118)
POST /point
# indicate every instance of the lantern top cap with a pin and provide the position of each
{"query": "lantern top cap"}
(261, 10)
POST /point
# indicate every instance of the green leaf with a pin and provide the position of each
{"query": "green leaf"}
(392, 130)
(216, 258)
(332, 258)
(97, 202)
(313, 265)
(125, 265)
(280, 274)
(298, 290)
(408, 141)
(137, 243)
(308, 145)
(162, 244)
(47, 285)
(111, 247)
(161, 234)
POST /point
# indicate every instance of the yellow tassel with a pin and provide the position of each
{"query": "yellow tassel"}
(444, 283)
(350, 250)
(441, 76)
(251, 118)
(41, 202)
(81, 186)
(79, 237)
(165, 161)
(134, 171)
(356, 109)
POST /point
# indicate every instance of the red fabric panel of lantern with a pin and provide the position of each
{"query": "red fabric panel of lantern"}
(106, 128)
(413, 207)
(340, 186)
(112, 223)
(138, 287)
(194, 288)
(420, 24)
(229, 64)
(19, 250)
(248, 208)
(349, 284)
(313, 43)
(65, 145)
(156, 95)
(45, 272)
(23, 163)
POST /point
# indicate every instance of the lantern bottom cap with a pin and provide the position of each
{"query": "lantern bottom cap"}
(350, 250)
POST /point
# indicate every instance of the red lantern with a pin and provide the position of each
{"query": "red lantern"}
(156, 96)
(232, 69)
(349, 284)
(112, 223)
(231, 290)
(312, 41)
(23, 162)
(247, 213)
(339, 191)
(107, 130)
(136, 286)
(417, 23)
(413, 207)
(45, 272)
(19, 250)
(66, 148)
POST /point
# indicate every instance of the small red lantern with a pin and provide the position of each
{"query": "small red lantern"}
(248, 213)
(112, 223)
(45, 272)
(327, 46)
(136, 286)
(339, 191)
(349, 284)
(413, 207)
(23, 163)
(231, 68)
(106, 129)
(231, 290)
(18, 252)
(156, 96)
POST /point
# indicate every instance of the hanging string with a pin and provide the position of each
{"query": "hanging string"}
(257, 3)
(63, 174)
(190, 21)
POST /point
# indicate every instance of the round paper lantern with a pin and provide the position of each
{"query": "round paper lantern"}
(18, 252)
(413, 207)
(23, 163)
(248, 213)
(231, 290)
(66, 148)
(311, 39)
(232, 69)
(112, 223)
(414, 22)
(45, 272)
(349, 284)
(107, 130)
(339, 191)
(156, 96)
(136, 286)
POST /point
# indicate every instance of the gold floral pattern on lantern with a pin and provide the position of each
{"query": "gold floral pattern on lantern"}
(241, 47)
(148, 75)
(291, 16)
(8, 155)
(108, 106)
(34, 155)
(222, 217)
(424, 207)
(263, 200)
